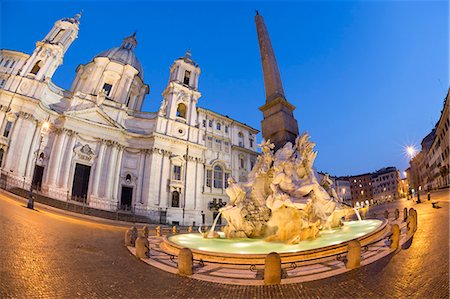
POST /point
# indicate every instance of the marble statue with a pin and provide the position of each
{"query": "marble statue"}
(282, 201)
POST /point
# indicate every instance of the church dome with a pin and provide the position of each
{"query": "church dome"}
(125, 54)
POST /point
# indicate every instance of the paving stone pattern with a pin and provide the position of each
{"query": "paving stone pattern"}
(50, 255)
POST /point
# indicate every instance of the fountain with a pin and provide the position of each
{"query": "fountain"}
(282, 207)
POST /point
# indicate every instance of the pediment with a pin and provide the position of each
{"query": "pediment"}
(94, 115)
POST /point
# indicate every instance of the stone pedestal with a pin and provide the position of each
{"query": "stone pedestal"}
(272, 269)
(279, 124)
(185, 262)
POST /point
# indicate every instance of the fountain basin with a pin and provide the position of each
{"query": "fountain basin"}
(253, 251)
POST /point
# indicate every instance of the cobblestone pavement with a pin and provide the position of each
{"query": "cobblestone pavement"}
(50, 255)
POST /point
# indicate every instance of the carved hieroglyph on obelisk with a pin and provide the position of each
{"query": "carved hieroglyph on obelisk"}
(279, 124)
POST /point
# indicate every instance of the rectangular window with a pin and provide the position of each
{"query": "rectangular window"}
(2, 82)
(204, 123)
(187, 76)
(208, 177)
(226, 129)
(210, 123)
(107, 88)
(8, 127)
(177, 173)
(251, 142)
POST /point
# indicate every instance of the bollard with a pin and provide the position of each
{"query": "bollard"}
(386, 214)
(158, 231)
(353, 255)
(405, 214)
(185, 262)
(128, 238)
(395, 238)
(414, 213)
(190, 229)
(396, 214)
(272, 269)
(134, 235)
(174, 229)
(142, 248)
(145, 231)
(410, 225)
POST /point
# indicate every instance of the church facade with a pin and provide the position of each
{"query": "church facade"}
(93, 143)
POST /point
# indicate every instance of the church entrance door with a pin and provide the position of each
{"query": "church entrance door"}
(81, 182)
(126, 198)
(37, 177)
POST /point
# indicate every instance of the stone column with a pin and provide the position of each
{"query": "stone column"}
(34, 152)
(55, 157)
(110, 174)
(66, 163)
(142, 156)
(117, 172)
(98, 168)
(146, 177)
(13, 140)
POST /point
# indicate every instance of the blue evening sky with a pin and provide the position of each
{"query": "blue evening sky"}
(367, 77)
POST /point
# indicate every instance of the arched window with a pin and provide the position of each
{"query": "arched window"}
(241, 139)
(2, 152)
(36, 68)
(181, 110)
(175, 199)
(242, 162)
(218, 177)
(218, 126)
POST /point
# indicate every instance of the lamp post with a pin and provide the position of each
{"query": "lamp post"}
(411, 152)
(44, 129)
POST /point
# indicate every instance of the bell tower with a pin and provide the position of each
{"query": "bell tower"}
(181, 94)
(49, 52)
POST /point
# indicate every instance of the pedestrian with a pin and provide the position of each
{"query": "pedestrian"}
(429, 195)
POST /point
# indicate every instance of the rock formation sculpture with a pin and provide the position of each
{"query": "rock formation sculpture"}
(282, 201)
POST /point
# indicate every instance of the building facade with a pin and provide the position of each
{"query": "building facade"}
(94, 144)
(343, 188)
(429, 169)
(361, 188)
(386, 184)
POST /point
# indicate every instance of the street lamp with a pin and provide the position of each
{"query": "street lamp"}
(411, 151)
(44, 129)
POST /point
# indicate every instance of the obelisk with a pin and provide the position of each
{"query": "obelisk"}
(279, 124)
